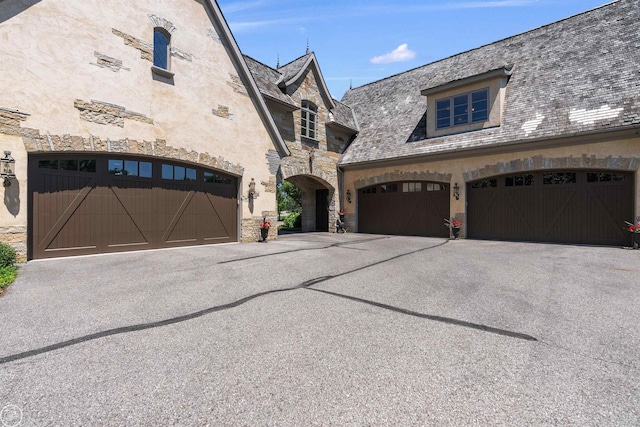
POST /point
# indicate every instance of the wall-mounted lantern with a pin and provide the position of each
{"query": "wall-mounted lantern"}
(253, 194)
(349, 196)
(456, 191)
(7, 169)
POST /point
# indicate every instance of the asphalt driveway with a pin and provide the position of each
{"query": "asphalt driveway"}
(325, 329)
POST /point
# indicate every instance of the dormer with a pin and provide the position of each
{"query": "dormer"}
(468, 104)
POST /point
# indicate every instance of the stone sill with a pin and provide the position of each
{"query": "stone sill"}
(162, 72)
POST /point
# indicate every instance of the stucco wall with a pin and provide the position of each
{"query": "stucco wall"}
(81, 74)
(620, 154)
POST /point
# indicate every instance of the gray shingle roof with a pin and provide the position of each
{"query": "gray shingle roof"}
(577, 75)
(267, 79)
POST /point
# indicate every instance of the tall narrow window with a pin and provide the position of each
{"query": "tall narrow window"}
(161, 45)
(309, 119)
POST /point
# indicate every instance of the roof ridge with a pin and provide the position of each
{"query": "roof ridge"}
(298, 58)
(485, 45)
(261, 63)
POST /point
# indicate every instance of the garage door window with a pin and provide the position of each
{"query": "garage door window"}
(68, 165)
(518, 180)
(119, 167)
(559, 178)
(487, 183)
(178, 173)
(411, 187)
(605, 177)
(389, 188)
(213, 178)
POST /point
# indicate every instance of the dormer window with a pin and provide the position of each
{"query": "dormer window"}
(161, 46)
(462, 109)
(469, 104)
(309, 118)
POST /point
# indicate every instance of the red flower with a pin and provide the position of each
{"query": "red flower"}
(265, 224)
(457, 223)
(343, 211)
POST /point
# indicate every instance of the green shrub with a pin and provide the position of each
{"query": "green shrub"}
(293, 220)
(7, 255)
(7, 275)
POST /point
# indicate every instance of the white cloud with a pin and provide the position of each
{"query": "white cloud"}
(400, 54)
(241, 6)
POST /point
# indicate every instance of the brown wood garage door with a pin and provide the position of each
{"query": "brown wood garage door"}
(85, 205)
(404, 208)
(586, 207)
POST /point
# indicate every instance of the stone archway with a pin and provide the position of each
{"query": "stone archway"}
(318, 203)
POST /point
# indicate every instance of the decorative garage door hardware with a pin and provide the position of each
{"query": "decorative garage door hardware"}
(92, 204)
(404, 208)
(583, 207)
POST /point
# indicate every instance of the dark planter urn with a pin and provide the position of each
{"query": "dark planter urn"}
(264, 233)
(636, 240)
(455, 231)
(341, 217)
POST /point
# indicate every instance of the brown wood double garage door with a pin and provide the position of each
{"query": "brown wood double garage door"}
(587, 207)
(404, 208)
(90, 204)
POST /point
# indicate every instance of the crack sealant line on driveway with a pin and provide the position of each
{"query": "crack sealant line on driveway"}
(305, 285)
(447, 320)
(333, 245)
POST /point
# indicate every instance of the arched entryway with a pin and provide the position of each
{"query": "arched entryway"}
(318, 203)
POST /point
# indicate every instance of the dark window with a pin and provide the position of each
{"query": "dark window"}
(69, 165)
(518, 180)
(48, 164)
(87, 165)
(369, 190)
(461, 109)
(485, 184)
(161, 40)
(389, 188)
(308, 120)
(605, 177)
(190, 175)
(553, 178)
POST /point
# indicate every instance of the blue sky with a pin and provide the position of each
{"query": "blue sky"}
(361, 41)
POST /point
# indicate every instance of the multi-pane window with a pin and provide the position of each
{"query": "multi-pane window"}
(214, 178)
(389, 188)
(411, 187)
(121, 167)
(309, 119)
(487, 183)
(178, 173)
(161, 46)
(462, 109)
(551, 178)
(519, 180)
(69, 165)
(605, 177)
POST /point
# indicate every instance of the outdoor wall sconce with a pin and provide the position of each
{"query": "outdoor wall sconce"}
(456, 191)
(6, 170)
(349, 196)
(253, 194)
